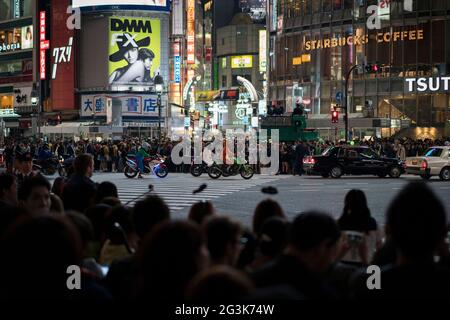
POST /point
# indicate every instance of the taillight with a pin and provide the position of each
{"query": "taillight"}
(309, 160)
(424, 165)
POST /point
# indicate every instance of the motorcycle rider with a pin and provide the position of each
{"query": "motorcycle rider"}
(140, 155)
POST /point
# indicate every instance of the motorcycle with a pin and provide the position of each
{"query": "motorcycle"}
(198, 169)
(65, 166)
(47, 167)
(216, 171)
(152, 165)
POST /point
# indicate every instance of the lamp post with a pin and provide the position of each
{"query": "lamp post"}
(159, 87)
(347, 78)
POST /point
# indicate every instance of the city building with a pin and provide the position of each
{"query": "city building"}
(314, 44)
(17, 65)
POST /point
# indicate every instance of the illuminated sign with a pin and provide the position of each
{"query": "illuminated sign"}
(427, 84)
(177, 69)
(274, 15)
(363, 39)
(262, 51)
(134, 50)
(16, 8)
(297, 61)
(132, 105)
(191, 32)
(241, 62)
(44, 45)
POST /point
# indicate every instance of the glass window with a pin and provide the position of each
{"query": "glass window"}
(326, 5)
(433, 152)
(437, 43)
(424, 110)
(367, 153)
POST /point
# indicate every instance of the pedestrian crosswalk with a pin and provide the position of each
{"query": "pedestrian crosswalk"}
(177, 191)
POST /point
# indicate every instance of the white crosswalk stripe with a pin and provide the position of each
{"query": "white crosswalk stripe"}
(177, 192)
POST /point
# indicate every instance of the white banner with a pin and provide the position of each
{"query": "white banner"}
(132, 105)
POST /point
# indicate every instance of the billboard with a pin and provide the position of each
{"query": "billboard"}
(123, 4)
(134, 50)
(62, 68)
(241, 62)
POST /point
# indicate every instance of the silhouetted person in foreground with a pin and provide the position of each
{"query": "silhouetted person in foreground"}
(417, 226)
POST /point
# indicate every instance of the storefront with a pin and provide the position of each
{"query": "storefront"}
(315, 43)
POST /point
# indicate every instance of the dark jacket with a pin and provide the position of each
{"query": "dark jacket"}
(78, 193)
(287, 270)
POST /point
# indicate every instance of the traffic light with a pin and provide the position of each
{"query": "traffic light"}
(334, 116)
(372, 67)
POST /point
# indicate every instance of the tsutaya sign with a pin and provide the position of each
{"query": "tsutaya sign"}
(381, 37)
(427, 84)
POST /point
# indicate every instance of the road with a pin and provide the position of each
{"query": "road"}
(238, 198)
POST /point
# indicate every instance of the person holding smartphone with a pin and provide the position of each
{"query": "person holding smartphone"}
(360, 230)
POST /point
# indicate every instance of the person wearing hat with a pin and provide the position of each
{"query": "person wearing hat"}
(25, 167)
(129, 51)
(147, 56)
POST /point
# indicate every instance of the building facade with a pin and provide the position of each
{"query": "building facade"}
(17, 65)
(314, 43)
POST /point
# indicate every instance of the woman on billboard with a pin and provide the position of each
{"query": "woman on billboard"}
(135, 70)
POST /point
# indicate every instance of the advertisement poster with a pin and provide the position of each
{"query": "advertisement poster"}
(27, 37)
(134, 50)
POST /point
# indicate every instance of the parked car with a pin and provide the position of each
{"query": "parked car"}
(434, 162)
(352, 160)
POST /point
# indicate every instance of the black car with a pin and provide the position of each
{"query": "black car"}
(340, 160)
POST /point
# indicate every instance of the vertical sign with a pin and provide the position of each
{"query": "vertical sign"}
(274, 15)
(191, 32)
(43, 44)
(177, 17)
(262, 51)
(177, 69)
(16, 9)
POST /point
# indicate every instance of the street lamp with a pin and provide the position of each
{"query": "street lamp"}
(34, 97)
(159, 87)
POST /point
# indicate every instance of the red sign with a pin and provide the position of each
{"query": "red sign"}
(62, 59)
(45, 44)
(42, 64)
(191, 32)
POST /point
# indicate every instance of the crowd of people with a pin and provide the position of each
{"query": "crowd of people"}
(142, 253)
(110, 156)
